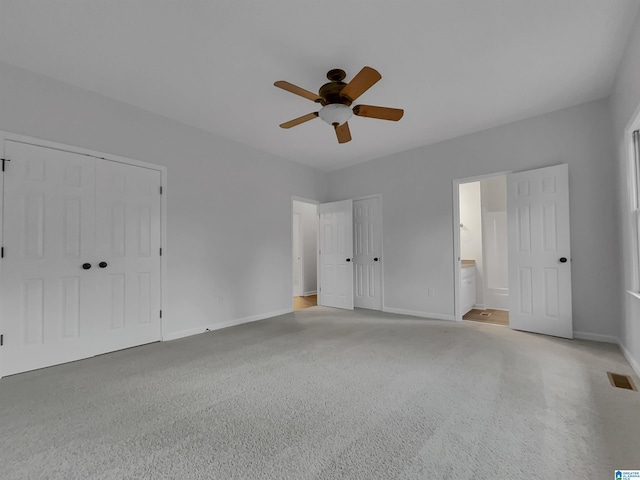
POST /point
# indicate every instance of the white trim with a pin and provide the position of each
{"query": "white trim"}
(366, 197)
(634, 294)
(2, 146)
(219, 326)
(417, 313)
(299, 234)
(480, 306)
(304, 200)
(632, 361)
(596, 337)
(309, 293)
(39, 142)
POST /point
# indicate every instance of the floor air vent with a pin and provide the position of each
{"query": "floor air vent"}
(621, 381)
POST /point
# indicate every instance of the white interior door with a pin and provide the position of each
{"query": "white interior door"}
(335, 254)
(127, 255)
(539, 251)
(367, 251)
(64, 214)
(297, 256)
(49, 233)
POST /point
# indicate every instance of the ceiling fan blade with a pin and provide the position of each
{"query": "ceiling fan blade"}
(343, 133)
(363, 81)
(383, 113)
(299, 120)
(290, 87)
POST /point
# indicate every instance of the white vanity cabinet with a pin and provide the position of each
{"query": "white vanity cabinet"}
(468, 286)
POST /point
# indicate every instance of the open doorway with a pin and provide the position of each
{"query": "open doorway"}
(536, 285)
(304, 254)
(483, 287)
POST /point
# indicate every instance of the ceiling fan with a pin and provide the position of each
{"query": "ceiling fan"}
(336, 98)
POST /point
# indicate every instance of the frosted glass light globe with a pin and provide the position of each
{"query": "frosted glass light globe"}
(335, 113)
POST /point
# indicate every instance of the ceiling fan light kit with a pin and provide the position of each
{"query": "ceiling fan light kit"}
(335, 114)
(336, 98)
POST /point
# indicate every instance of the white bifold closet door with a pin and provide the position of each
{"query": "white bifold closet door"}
(64, 212)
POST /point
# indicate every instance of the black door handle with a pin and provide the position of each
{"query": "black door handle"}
(86, 266)
(348, 259)
(375, 259)
(563, 259)
(102, 264)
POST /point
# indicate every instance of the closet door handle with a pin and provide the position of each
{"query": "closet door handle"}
(102, 264)
(348, 259)
(375, 259)
(563, 260)
(86, 266)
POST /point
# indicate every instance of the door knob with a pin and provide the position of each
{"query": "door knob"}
(563, 259)
(102, 264)
(348, 259)
(375, 259)
(86, 266)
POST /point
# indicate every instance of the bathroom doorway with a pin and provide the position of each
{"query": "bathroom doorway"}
(481, 250)
(304, 253)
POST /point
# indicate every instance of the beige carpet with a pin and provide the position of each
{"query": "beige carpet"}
(326, 394)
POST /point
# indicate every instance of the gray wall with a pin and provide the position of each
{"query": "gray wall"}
(625, 105)
(229, 206)
(416, 186)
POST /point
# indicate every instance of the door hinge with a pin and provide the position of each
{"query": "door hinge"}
(1, 252)
(1, 340)
(160, 313)
(160, 189)
(3, 162)
(160, 251)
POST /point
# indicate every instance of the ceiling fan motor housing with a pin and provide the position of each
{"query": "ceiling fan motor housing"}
(330, 93)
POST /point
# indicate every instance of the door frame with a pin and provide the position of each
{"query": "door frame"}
(38, 142)
(379, 197)
(295, 198)
(297, 237)
(457, 307)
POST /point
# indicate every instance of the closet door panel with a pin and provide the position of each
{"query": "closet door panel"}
(49, 233)
(128, 241)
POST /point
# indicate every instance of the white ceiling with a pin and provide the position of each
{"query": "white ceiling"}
(455, 66)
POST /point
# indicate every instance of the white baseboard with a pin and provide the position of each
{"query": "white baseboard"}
(416, 313)
(596, 337)
(310, 292)
(632, 361)
(480, 306)
(230, 323)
